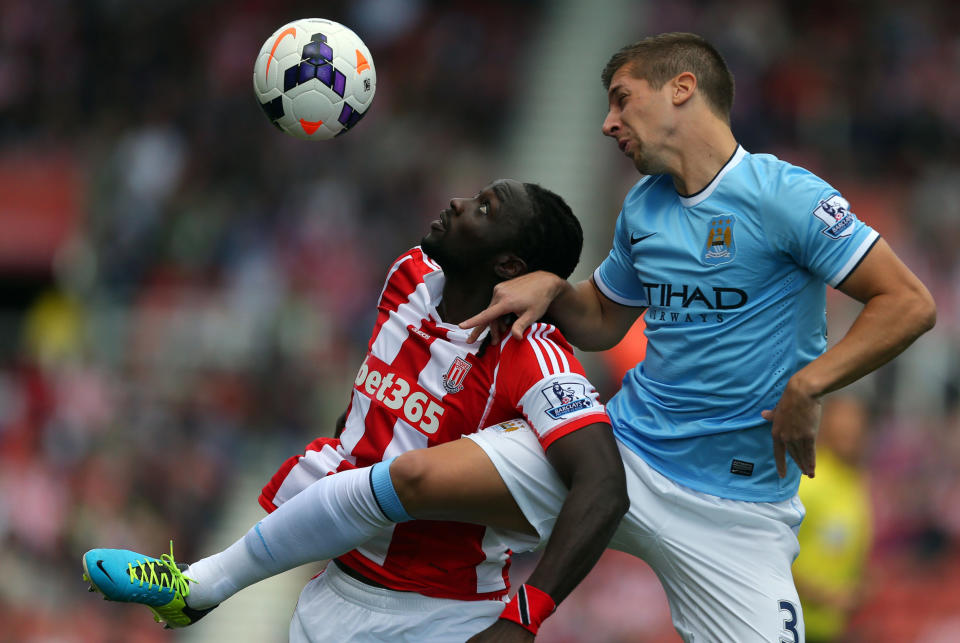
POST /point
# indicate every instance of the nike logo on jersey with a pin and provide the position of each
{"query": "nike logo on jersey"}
(635, 239)
(105, 572)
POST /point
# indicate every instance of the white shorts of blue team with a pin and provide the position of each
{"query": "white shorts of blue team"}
(724, 564)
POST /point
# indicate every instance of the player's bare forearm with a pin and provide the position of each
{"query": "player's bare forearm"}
(587, 319)
(897, 310)
(590, 321)
(589, 463)
(886, 326)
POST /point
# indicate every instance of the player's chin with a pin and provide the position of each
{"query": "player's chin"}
(431, 243)
(644, 166)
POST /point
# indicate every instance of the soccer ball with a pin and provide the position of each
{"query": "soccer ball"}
(314, 78)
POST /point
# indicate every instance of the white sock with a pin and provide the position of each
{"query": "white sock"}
(327, 519)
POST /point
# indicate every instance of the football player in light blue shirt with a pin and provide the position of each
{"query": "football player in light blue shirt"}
(729, 253)
(733, 282)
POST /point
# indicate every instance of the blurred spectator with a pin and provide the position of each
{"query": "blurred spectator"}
(836, 533)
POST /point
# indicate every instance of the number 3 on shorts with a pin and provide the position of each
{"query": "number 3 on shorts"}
(790, 622)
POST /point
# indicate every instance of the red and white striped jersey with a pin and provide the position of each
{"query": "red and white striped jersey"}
(420, 385)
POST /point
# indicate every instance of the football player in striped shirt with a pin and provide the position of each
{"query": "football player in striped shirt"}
(422, 384)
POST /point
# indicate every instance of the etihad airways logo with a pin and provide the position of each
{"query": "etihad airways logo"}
(684, 303)
(687, 296)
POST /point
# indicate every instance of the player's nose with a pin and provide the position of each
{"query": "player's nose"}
(457, 205)
(611, 124)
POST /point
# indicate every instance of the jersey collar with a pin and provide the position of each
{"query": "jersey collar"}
(701, 196)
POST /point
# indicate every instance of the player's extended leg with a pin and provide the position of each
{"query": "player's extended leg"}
(456, 481)
(328, 518)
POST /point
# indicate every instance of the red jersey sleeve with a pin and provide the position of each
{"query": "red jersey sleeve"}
(546, 383)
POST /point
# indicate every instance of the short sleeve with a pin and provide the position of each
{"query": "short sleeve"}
(547, 384)
(811, 222)
(616, 277)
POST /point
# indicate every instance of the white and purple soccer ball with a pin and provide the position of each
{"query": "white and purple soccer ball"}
(314, 78)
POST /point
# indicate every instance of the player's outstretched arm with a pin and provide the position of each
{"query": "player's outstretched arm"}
(897, 309)
(588, 320)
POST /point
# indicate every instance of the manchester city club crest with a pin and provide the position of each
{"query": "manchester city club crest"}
(453, 378)
(720, 247)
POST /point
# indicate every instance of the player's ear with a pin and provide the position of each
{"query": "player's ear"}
(508, 265)
(682, 86)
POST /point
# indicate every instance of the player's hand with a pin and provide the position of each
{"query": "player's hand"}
(502, 631)
(527, 296)
(796, 419)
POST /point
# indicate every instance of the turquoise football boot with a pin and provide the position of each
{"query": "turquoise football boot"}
(128, 577)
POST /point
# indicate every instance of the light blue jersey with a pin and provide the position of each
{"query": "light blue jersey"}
(734, 281)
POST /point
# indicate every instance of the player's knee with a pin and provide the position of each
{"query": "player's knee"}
(410, 476)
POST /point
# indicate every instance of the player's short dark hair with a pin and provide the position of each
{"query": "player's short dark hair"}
(657, 59)
(551, 238)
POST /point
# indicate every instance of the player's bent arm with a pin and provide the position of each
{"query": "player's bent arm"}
(588, 319)
(898, 308)
(589, 463)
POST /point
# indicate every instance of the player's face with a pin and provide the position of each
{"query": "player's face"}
(471, 231)
(640, 119)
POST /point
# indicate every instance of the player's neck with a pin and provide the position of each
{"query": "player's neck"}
(701, 156)
(462, 301)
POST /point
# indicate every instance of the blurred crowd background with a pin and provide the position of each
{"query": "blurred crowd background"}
(183, 288)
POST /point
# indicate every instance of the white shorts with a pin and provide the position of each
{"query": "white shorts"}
(724, 564)
(334, 607)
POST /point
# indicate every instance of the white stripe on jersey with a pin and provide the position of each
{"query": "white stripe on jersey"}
(393, 269)
(552, 345)
(405, 438)
(427, 260)
(312, 466)
(843, 273)
(490, 577)
(536, 337)
(392, 334)
(377, 547)
(539, 355)
(545, 348)
(355, 427)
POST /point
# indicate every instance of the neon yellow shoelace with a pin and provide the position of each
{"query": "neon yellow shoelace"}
(169, 576)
